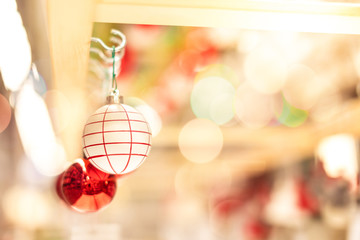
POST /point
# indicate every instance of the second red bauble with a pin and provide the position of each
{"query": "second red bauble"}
(85, 188)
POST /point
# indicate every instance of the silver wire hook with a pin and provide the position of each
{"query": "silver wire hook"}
(116, 33)
(102, 55)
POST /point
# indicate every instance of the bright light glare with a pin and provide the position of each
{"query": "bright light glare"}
(212, 98)
(26, 207)
(200, 140)
(15, 58)
(265, 70)
(36, 133)
(339, 156)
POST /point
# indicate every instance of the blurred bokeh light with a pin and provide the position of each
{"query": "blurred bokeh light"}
(265, 69)
(212, 98)
(291, 116)
(255, 134)
(255, 109)
(200, 140)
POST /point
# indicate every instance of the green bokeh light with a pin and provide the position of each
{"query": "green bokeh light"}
(291, 116)
(212, 98)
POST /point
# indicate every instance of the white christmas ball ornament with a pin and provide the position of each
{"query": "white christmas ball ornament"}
(116, 139)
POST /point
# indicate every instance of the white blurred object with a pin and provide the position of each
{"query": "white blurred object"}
(339, 156)
(15, 58)
(282, 209)
(36, 132)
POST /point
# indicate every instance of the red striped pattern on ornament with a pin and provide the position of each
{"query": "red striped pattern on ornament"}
(147, 148)
(116, 131)
(116, 120)
(130, 151)
(85, 147)
(119, 154)
(130, 131)
(113, 112)
(100, 144)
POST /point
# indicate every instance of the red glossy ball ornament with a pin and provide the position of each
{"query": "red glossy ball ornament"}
(87, 189)
(58, 186)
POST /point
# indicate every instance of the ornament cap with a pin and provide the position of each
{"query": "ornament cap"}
(114, 97)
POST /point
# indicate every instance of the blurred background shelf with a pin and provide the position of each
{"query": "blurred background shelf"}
(304, 16)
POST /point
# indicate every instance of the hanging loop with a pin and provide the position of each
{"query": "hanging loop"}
(114, 83)
(117, 52)
(114, 96)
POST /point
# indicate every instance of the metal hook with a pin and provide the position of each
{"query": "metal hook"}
(117, 53)
(115, 33)
(102, 55)
(119, 41)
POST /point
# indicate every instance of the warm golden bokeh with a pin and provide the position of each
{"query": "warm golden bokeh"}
(253, 109)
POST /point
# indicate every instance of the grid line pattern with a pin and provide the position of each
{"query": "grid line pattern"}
(118, 131)
(147, 149)
(115, 120)
(109, 143)
(131, 138)
(103, 137)
(99, 113)
(116, 143)
(87, 156)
